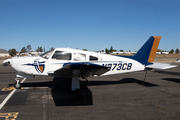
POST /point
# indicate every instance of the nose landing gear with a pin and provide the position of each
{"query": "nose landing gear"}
(20, 79)
(18, 84)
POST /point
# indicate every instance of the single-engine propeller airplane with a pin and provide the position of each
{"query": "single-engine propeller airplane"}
(74, 64)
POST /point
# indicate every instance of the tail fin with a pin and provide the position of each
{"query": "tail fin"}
(147, 52)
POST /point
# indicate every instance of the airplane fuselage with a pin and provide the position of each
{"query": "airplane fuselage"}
(43, 65)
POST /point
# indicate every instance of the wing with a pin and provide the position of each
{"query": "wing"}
(160, 66)
(82, 69)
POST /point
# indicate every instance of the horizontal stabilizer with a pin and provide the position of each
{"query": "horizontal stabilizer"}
(160, 66)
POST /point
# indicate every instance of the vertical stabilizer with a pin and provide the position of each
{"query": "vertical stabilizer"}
(147, 52)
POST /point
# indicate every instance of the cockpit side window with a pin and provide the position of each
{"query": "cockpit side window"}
(47, 54)
(93, 58)
(61, 55)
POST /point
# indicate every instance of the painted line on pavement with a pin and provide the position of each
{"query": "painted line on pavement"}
(9, 116)
(9, 96)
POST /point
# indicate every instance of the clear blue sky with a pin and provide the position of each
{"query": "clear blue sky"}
(89, 24)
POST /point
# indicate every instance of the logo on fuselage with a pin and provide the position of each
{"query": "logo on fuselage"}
(39, 66)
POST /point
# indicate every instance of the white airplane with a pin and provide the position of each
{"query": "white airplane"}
(75, 64)
(178, 60)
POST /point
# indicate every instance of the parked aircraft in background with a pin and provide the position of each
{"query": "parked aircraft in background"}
(75, 64)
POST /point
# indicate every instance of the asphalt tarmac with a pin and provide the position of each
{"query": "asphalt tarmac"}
(123, 96)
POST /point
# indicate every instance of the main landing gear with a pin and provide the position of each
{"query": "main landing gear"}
(75, 85)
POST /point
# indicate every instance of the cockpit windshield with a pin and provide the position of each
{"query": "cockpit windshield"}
(47, 54)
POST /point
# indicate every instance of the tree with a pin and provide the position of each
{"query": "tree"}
(158, 50)
(39, 49)
(171, 52)
(12, 52)
(23, 50)
(29, 48)
(107, 51)
(177, 51)
(85, 49)
(121, 50)
(52, 48)
(111, 49)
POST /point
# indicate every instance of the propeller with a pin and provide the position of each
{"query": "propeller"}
(6, 62)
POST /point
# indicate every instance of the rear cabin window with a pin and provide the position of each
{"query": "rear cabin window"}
(93, 58)
(61, 55)
(79, 57)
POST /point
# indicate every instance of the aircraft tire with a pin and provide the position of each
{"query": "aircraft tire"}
(18, 86)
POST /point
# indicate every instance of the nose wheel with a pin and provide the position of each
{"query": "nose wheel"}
(18, 84)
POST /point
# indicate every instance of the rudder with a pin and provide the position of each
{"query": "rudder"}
(154, 48)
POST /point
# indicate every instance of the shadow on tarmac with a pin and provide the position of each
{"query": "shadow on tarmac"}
(123, 81)
(172, 80)
(7, 73)
(63, 96)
